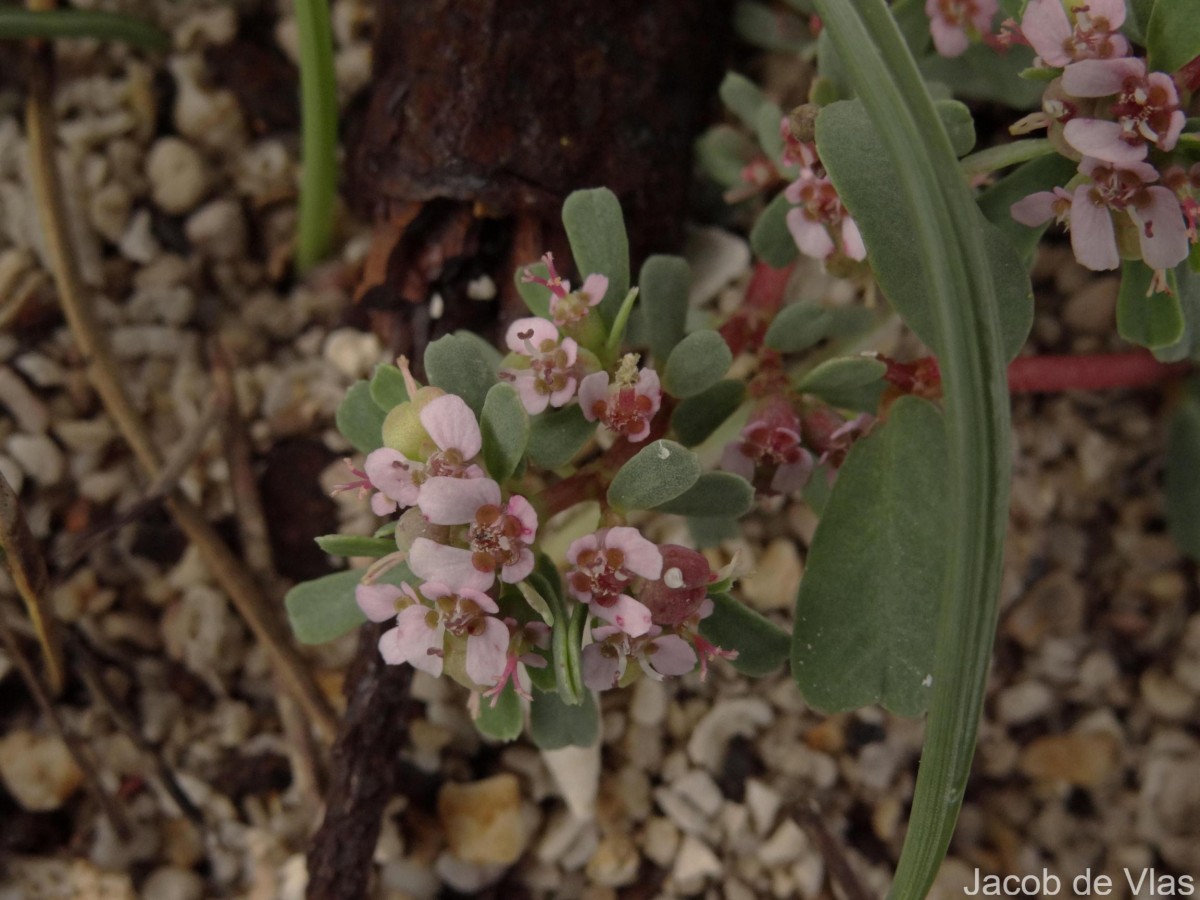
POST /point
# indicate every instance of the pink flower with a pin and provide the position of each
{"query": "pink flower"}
(551, 376)
(660, 655)
(457, 439)
(678, 594)
(769, 453)
(566, 307)
(819, 217)
(953, 22)
(1089, 31)
(421, 627)
(627, 406)
(605, 563)
(1146, 110)
(498, 536)
(523, 639)
(1154, 209)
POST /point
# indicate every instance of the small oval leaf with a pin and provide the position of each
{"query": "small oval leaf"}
(554, 724)
(770, 238)
(556, 436)
(665, 282)
(658, 473)
(1152, 320)
(458, 365)
(761, 645)
(505, 427)
(798, 326)
(325, 608)
(696, 418)
(696, 364)
(356, 545)
(836, 376)
(505, 720)
(387, 387)
(596, 229)
(360, 419)
(715, 494)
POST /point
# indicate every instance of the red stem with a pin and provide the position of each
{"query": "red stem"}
(1049, 374)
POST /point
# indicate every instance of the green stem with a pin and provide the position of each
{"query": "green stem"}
(619, 323)
(17, 23)
(949, 247)
(318, 105)
(1005, 155)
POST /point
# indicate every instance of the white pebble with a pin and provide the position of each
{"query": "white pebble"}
(784, 846)
(38, 770)
(710, 738)
(763, 802)
(29, 412)
(177, 173)
(694, 865)
(38, 456)
(218, 229)
(169, 883)
(138, 243)
(648, 706)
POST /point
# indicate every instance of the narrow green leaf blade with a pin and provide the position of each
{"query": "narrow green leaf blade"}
(664, 282)
(868, 601)
(596, 229)
(356, 545)
(360, 419)
(458, 365)
(842, 373)
(1172, 35)
(742, 97)
(658, 473)
(505, 427)
(761, 645)
(715, 494)
(698, 362)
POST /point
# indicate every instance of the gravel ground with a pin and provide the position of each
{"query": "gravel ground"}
(182, 187)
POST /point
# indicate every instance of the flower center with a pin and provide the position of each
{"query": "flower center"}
(495, 538)
(600, 573)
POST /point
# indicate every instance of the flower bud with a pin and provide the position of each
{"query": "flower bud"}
(402, 429)
(677, 595)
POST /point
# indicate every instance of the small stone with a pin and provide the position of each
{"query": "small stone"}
(214, 26)
(660, 841)
(763, 801)
(1053, 606)
(1092, 309)
(1024, 702)
(85, 435)
(483, 820)
(218, 229)
(809, 876)
(12, 473)
(467, 877)
(1166, 697)
(38, 456)
(562, 832)
(38, 770)
(173, 884)
(413, 878)
(648, 705)
(28, 411)
(710, 738)
(717, 257)
(354, 353)
(776, 577)
(576, 771)
(108, 210)
(784, 846)
(138, 243)
(615, 862)
(1083, 759)
(694, 865)
(700, 790)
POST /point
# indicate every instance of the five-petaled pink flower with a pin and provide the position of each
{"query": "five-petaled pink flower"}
(628, 404)
(604, 565)
(660, 655)
(769, 453)
(421, 627)
(1087, 31)
(498, 536)
(523, 640)
(820, 224)
(953, 22)
(566, 307)
(1146, 109)
(1154, 209)
(457, 440)
(551, 376)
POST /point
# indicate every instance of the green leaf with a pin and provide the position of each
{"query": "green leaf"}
(769, 28)
(557, 435)
(696, 418)
(722, 153)
(503, 721)
(324, 609)
(1137, 19)
(1041, 174)
(983, 74)
(797, 327)
(835, 377)
(356, 545)
(387, 387)
(566, 639)
(1152, 321)
(659, 472)
(770, 239)
(767, 129)
(1187, 284)
(359, 418)
(959, 125)
(553, 724)
(742, 97)
(871, 189)
(458, 365)
(1182, 481)
(833, 73)
(1172, 35)
(665, 282)
(536, 296)
(715, 494)
(868, 600)
(761, 645)
(505, 427)
(596, 230)
(696, 364)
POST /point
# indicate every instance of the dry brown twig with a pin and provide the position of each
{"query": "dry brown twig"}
(259, 614)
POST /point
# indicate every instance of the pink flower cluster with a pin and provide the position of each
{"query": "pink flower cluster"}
(953, 23)
(1109, 113)
(819, 223)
